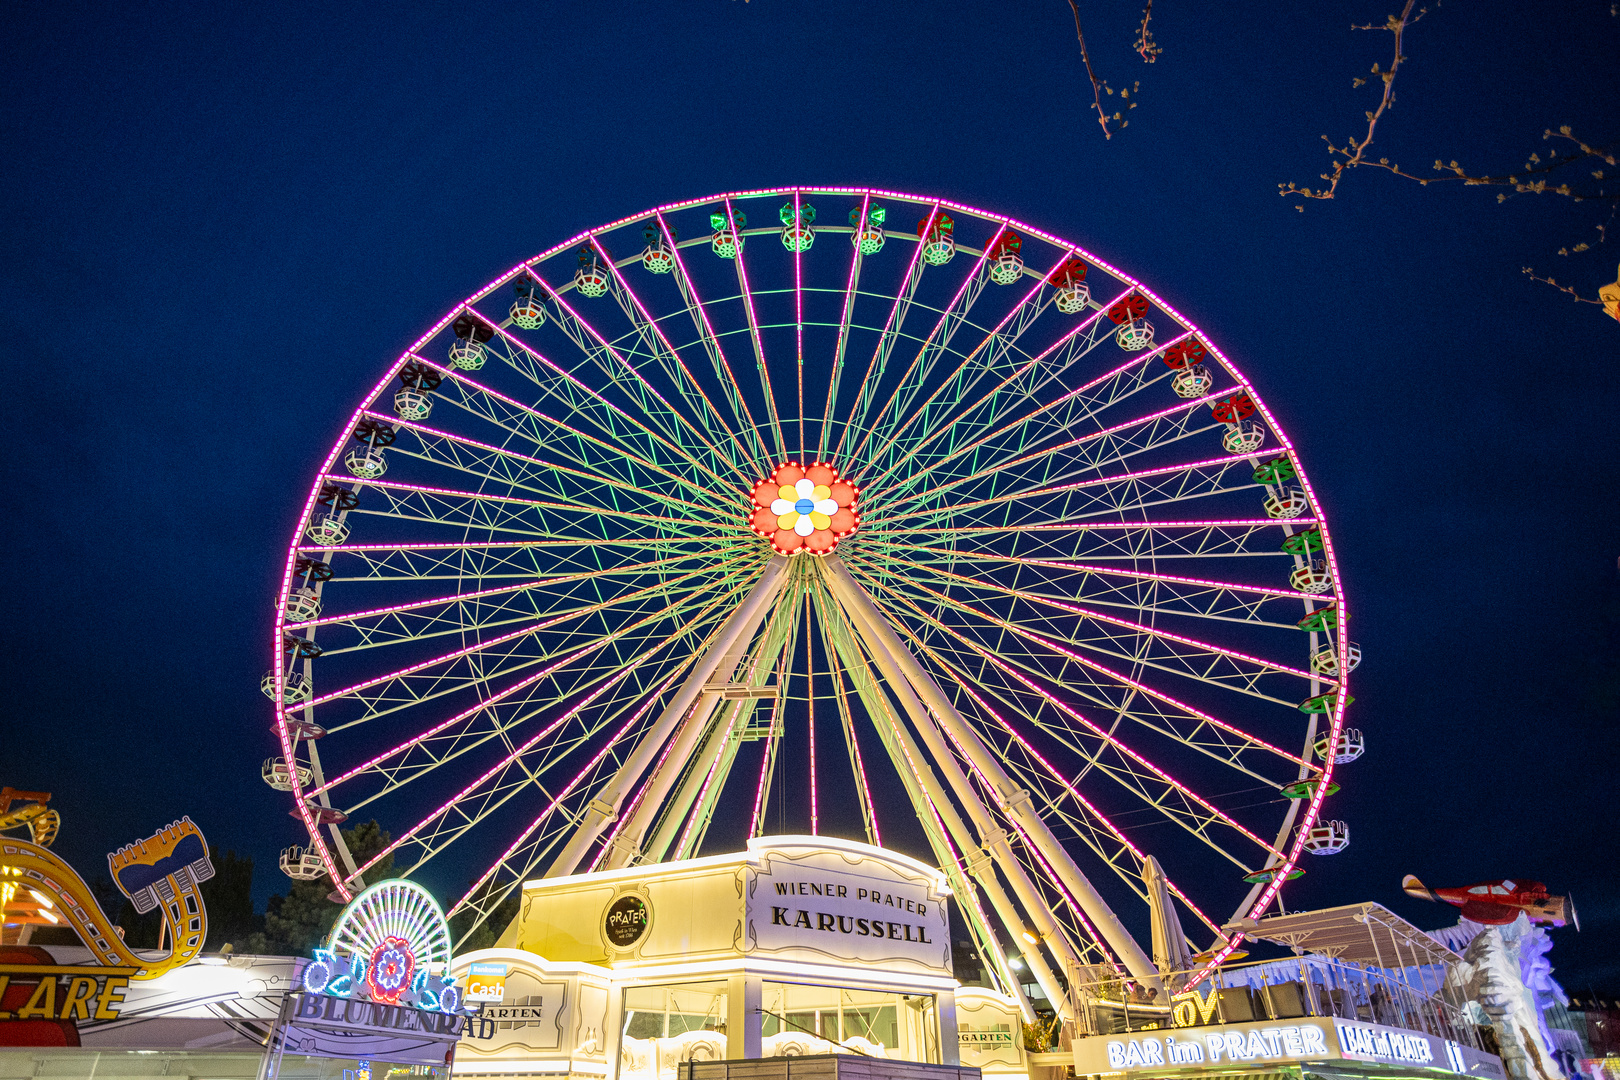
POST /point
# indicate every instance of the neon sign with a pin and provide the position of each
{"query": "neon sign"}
(356, 977)
(385, 947)
(389, 970)
(1366, 1041)
(1291, 1041)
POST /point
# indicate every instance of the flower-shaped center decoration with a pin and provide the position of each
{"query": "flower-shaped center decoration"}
(388, 975)
(804, 509)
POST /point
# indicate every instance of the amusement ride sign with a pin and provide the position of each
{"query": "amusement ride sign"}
(381, 989)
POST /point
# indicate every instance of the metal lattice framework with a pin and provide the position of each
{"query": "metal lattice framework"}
(1089, 620)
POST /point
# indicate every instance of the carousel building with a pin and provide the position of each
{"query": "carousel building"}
(795, 948)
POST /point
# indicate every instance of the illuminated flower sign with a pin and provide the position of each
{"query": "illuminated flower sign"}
(804, 509)
(388, 974)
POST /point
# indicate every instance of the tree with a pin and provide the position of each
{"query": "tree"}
(228, 897)
(295, 924)
(1572, 169)
(484, 934)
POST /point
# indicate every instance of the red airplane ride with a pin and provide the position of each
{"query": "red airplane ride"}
(1497, 903)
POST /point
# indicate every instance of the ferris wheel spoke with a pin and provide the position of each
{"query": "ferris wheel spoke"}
(1171, 653)
(417, 759)
(975, 425)
(841, 343)
(868, 388)
(1156, 714)
(1132, 770)
(612, 363)
(951, 318)
(711, 345)
(572, 488)
(482, 797)
(988, 358)
(525, 852)
(1079, 455)
(510, 775)
(452, 671)
(1092, 827)
(1003, 403)
(1169, 594)
(615, 423)
(754, 336)
(485, 608)
(658, 345)
(491, 560)
(421, 502)
(1132, 541)
(629, 380)
(589, 453)
(1115, 494)
(911, 762)
(1013, 677)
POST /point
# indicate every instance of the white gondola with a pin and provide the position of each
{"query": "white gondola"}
(939, 249)
(1287, 503)
(1312, 577)
(1244, 437)
(798, 237)
(294, 688)
(327, 530)
(869, 239)
(466, 355)
(1007, 268)
(279, 776)
(527, 312)
(1135, 335)
(1191, 382)
(591, 279)
(1325, 661)
(302, 864)
(1351, 745)
(302, 605)
(1073, 299)
(659, 257)
(412, 404)
(365, 462)
(1327, 838)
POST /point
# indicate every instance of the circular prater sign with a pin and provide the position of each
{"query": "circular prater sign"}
(626, 921)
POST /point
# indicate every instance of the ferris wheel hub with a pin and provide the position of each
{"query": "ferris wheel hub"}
(802, 509)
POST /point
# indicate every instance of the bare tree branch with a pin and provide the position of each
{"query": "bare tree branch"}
(1561, 288)
(1355, 153)
(1146, 48)
(1096, 87)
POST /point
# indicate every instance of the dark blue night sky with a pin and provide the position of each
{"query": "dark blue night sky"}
(220, 224)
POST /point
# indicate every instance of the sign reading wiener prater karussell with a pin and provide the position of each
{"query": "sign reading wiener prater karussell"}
(816, 902)
(794, 899)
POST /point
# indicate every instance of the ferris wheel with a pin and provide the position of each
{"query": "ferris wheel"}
(723, 506)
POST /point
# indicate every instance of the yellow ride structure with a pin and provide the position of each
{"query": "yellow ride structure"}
(162, 871)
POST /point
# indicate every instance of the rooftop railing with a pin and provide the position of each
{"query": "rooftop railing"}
(1416, 999)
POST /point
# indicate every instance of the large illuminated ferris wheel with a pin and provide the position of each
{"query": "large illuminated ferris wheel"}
(726, 505)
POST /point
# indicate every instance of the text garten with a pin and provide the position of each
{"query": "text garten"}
(847, 924)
